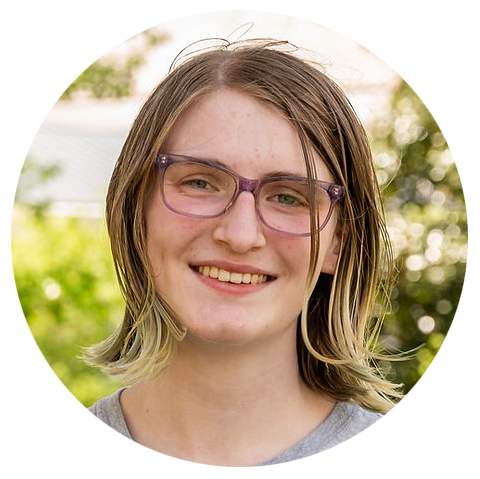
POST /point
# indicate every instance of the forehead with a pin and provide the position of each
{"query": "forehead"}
(249, 136)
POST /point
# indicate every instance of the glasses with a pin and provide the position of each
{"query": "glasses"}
(204, 189)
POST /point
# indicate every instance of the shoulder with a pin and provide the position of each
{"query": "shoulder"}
(345, 421)
(109, 411)
(348, 419)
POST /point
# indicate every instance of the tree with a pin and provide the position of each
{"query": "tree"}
(113, 76)
(427, 221)
(63, 267)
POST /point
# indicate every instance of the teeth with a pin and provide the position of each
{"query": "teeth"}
(236, 278)
(223, 275)
(228, 277)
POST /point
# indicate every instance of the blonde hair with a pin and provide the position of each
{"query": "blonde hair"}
(337, 333)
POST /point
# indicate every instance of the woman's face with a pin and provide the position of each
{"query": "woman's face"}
(253, 140)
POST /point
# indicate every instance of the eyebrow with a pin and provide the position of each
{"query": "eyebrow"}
(272, 174)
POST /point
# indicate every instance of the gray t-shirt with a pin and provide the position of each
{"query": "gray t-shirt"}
(345, 421)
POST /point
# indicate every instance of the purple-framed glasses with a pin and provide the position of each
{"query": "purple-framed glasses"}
(205, 189)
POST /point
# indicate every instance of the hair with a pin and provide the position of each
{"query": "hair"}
(338, 327)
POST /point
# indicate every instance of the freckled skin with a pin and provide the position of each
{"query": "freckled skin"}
(253, 140)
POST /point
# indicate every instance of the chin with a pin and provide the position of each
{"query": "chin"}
(225, 336)
(239, 330)
(233, 331)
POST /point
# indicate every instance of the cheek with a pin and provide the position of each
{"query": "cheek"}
(155, 251)
(296, 255)
(160, 231)
(170, 236)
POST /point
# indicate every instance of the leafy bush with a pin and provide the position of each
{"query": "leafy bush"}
(69, 295)
(427, 221)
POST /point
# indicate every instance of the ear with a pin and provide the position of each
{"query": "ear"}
(331, 258)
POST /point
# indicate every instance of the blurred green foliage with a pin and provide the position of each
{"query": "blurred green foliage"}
(34, 174)
(68, 290)
(427, 221)
(114, 77)
(63, 268)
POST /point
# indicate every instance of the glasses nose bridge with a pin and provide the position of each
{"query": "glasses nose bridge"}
(245, 184)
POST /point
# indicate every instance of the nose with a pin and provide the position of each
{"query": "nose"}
(240, 227)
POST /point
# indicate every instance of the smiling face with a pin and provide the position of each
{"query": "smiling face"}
(231, 279)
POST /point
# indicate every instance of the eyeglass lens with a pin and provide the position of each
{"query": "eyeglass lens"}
(200, 190)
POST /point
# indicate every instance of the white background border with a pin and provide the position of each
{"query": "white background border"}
(45, 46)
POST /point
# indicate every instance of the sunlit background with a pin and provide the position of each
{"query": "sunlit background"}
(62, 264)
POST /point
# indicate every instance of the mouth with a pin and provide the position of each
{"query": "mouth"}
(232, 277)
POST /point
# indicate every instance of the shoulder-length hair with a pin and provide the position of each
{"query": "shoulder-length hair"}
(337, 330)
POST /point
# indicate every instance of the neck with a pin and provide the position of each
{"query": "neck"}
(233, 373)
(217, 403)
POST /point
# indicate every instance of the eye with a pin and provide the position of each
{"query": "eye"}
(197, 183)
(286, 199)
(285, 195)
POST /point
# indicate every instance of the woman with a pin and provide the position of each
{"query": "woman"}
(247, 237)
